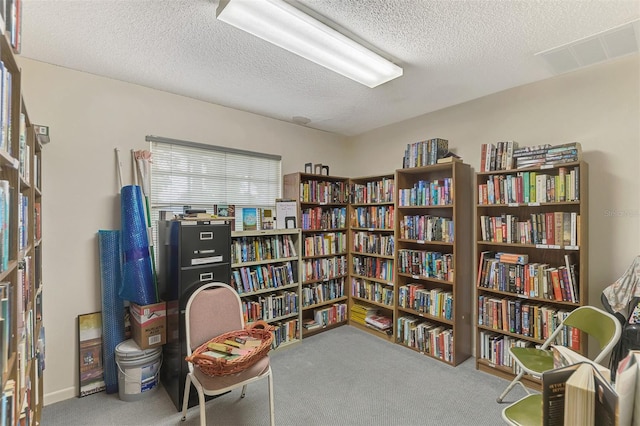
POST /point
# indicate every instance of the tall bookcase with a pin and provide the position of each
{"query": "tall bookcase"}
(434, 260)
(265, 271)
(538, 218)
(21, 331)
(321, 213)
(371, 252)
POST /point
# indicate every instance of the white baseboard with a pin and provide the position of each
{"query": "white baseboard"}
(61, 395)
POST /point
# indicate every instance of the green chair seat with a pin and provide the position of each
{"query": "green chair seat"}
(534, 360)
(525, 412)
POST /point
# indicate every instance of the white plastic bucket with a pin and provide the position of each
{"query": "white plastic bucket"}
(138, 370)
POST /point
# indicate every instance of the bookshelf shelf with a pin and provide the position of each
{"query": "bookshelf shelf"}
(21, 345)
(265, 271)
(321, 212)
(545, 228)
(433, 255)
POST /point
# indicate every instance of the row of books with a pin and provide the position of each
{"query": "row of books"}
(531, 187)
(528, 319)
(427, 228)
(541, 155)
(379, 217)
(255, 249)
(427, 337)
(372, 291)
(6, 193)
(438, 192)
(6, 324)
(6, 81)
(24, 151)
(326, 243)
(329, 315)
(324, 192)
(285, 332)
(322, 292)
(430, 264)
(13, 22)
(559, 229)
(498, 156)
(435, 302)
(531, 280)
(373, 267)
(270, 307)
(325, 268)
(23, 221)
(381, 191)
(324, 218)
(261, 277)
(424, 153)
(373, 243)
(495, 348)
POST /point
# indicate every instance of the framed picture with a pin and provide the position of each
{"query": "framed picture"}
(317, 169)
(91, 373)
(308, 168)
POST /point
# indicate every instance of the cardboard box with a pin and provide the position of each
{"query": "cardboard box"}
(149, 324)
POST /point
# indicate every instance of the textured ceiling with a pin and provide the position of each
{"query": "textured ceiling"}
(451, 52)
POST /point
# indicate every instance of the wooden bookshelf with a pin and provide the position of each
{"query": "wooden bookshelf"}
(21, 280)
(321, 213)
(548, 229)
(371, 251)
(265, 271)
(433, 260)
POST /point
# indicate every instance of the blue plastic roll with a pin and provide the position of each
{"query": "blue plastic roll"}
(112, 305)
(137, 275)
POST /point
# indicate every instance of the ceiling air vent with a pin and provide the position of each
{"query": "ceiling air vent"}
(609, 44)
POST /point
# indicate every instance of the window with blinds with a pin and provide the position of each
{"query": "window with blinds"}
(201, 176)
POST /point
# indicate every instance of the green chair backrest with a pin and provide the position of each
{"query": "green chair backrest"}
(594, 322)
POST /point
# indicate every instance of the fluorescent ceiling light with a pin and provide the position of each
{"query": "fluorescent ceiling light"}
(285, 26)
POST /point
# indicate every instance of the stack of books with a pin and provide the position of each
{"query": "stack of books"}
(539, 155)
(566, 153)
(359, 313)
(530, 156)
(379, 322)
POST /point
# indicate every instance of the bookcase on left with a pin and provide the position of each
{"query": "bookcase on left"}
(265, 271)
(21, 331)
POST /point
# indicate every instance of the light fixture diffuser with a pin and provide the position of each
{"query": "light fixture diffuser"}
(285, 26)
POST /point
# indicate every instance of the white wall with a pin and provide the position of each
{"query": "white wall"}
(598, 107)
(89, 117)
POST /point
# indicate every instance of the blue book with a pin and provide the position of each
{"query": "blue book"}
(249, 218)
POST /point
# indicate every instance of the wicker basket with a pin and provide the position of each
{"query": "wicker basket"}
(221, 367)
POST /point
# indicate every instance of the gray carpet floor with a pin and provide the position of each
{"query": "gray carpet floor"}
(341, 377)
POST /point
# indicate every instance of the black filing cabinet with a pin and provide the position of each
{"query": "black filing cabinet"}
(190, 254)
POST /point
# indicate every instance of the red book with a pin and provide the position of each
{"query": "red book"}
(555, 280)
(549, 228)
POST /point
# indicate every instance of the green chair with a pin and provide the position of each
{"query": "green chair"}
(596, 323)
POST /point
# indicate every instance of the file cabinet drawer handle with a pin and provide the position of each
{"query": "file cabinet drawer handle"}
(207, 276)
(206, 235)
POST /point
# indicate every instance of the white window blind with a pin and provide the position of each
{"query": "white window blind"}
(199, 175)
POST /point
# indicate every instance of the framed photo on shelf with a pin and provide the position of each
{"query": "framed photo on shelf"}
(91, 372)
